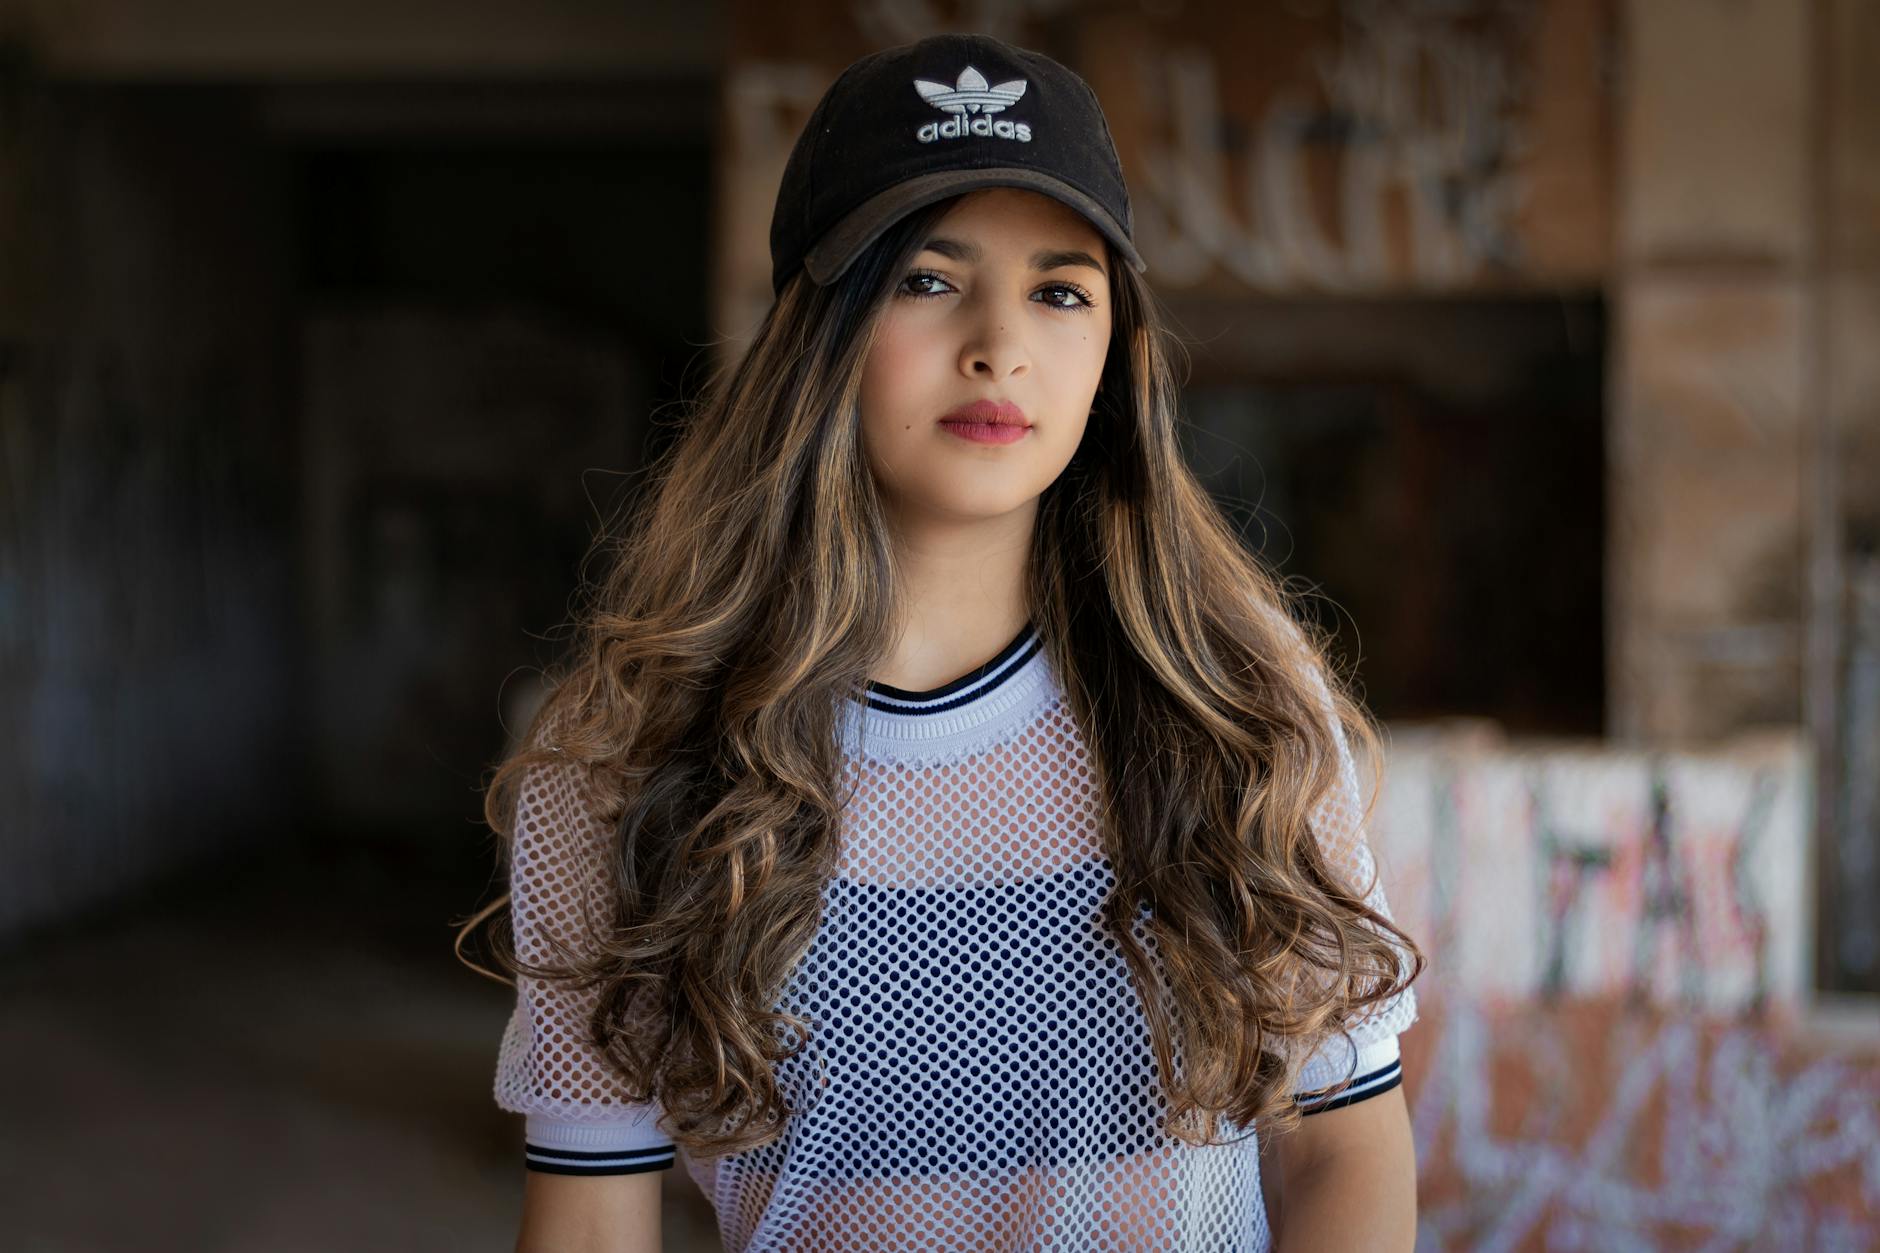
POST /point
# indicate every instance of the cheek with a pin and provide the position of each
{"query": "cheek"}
(1095, 345)
(890, 392)
(889, 358)
(1077, 349)
(895, 383)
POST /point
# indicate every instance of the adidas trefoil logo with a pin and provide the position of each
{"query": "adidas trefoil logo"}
(972, 102)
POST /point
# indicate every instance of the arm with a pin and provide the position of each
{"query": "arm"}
(590, 1214)
(594, 1157)
(1345, 1179)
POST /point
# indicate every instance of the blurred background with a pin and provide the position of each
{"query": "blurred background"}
(1540, 337)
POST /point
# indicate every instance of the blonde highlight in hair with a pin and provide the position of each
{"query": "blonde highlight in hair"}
(755, 588)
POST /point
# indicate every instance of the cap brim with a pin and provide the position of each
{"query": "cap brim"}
(845, 240)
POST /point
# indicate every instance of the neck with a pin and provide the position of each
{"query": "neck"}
(962, 586)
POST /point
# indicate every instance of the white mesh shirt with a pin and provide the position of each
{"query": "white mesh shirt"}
(979, 1074)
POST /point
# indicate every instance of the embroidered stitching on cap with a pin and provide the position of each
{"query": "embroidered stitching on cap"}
(972, 101)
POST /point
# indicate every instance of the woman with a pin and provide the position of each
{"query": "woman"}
(942, 835)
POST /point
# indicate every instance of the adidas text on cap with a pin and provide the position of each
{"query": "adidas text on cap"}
(913, 124)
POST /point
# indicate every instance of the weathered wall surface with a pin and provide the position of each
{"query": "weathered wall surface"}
(1619, 1045)
(1358, 148)
(1710, 407)
(1745, 409)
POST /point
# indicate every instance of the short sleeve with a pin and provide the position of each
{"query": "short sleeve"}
(1365, 1057)
(578, 1121)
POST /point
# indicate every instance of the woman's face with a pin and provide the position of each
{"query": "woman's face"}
(1009, 302)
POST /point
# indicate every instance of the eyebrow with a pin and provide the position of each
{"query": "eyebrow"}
(1043, 259)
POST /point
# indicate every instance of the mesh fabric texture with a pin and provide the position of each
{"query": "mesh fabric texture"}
(979, 1074)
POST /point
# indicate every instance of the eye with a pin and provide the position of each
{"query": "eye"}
(918, 276)
(1081, 302)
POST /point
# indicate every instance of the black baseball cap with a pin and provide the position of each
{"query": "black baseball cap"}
(913, 124)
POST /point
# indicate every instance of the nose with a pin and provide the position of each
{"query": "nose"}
(993, 349)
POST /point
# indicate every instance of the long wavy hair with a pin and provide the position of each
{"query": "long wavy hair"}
(754, 586)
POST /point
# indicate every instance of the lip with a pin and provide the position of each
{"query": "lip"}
(989, 413)
(987, 422)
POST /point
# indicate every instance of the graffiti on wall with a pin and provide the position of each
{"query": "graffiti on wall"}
(1671, 879)
(1591, 1125)
(1611, 1053)
(1354, 145)
(1421, 113)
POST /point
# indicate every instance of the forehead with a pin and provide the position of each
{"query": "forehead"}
(1016, 218)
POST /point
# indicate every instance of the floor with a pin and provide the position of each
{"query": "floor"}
(276, 1055)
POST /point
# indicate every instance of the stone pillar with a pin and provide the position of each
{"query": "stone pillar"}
(1709, 290)
(1745, 454)
(1845, 685)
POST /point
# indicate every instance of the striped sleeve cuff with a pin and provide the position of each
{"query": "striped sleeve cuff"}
(1374, 1069)
(608, 1148)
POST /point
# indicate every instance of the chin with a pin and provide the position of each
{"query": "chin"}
(984, 500)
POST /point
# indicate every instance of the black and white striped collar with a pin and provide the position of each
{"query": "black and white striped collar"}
(971, 686)
(993, 698)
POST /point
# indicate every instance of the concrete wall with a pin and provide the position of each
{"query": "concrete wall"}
(1713, 289)
(1619, 1043)
(157, 642)
(1746, 410)
(147, 574)
(1271, 149)
(446, 462)
(1844, 567)
(1574, 869)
